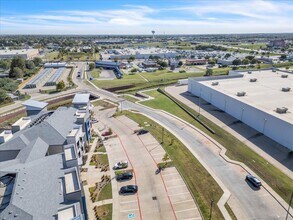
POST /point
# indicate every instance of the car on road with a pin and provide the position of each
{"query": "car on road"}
(124, 176)
(252, 179)
(129, 189)
(142, 131)
(120, 165)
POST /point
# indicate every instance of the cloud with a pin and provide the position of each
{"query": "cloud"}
(187, 18)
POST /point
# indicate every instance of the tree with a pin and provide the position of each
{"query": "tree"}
(60, 85)
(245, 61)
(209, 72)
(236, 62)
(131, 58)
(212, 62)
(253, 61)
(8, 84)
(3, 95)
(133, 70)
(227, 55)
(29, 64)
(17, 62)
(163, 64)
(16, 72)
(37, 61)
(91, 66)
(283, 57)
(4, 64)
(180, 63)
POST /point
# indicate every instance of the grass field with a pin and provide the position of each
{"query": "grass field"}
(130, 98)
(77, 56)
(136, 82)
(236, 150)
(201, 183)
(104, 212)
(253, 46)
(106, 192)
(95, 73)
(51, 56)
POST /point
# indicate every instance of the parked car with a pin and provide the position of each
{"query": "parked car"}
(142, 131)
(253, 180)
(94, 121)
(129, 189)
(106, 133)
(124, 176)
(120, 165)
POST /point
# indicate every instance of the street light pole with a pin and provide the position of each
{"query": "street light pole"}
(289, 205)
(211, 209)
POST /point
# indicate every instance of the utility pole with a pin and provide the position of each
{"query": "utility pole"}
(211, 209)
(289, 205)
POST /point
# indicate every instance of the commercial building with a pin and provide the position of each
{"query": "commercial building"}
(277, 43)
(260, 99)
(196, 62)
(25, 53)
(115, 66)
(141, 53)
(40, 167)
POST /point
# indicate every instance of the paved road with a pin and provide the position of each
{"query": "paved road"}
(246, 202)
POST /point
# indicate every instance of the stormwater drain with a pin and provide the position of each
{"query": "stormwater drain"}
(154, 198)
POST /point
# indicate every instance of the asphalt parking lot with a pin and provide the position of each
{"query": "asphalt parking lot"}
(161, 196)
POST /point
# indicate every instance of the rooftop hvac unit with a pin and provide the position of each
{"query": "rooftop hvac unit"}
(286, 89)
(284, 76)
(253, 80)
(241, 93)
(249, 72)
(215, 83)
(282, 110)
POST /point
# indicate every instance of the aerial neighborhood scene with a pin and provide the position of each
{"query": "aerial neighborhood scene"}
(146, 110)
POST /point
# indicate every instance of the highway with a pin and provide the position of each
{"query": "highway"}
(245, 201)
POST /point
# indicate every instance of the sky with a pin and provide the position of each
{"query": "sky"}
(103, 17)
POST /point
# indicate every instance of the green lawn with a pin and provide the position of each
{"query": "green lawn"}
(51, 56)
(104, 104)
(256, 46)
(106, 192)
(104, 212)
(236, 150)
(95, 73)
(99, 159)
(202, 185)
(136, 82)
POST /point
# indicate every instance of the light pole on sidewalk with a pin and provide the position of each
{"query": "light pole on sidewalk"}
(211, 209)
(289, 205)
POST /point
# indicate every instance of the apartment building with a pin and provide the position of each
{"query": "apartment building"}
(40, 166)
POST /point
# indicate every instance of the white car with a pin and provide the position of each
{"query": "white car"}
(120, 165)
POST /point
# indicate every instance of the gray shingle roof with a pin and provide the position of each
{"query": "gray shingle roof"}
(34, 103)
(81, 98)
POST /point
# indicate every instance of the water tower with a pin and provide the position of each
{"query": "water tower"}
(153, 32)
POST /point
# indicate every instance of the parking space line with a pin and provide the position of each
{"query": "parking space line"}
(174, 203)
(128, 210)
(176, 186)
(193, 218)
(128, 202)
(169, 174)
(179, 194)
(186, 210)
(172, 180)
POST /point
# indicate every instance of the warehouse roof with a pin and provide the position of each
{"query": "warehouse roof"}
(265, 93)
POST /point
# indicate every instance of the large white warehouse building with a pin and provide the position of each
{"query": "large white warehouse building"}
(261, 99)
